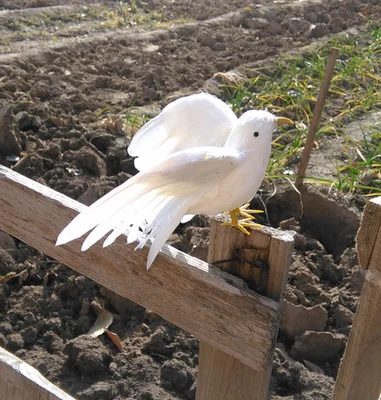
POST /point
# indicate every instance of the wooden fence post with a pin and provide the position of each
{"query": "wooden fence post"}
(220, 376)
(360, 370)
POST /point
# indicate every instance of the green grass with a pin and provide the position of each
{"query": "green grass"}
(290, 87)
(364, 172)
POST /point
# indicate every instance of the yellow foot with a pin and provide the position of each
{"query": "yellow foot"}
(242, 224)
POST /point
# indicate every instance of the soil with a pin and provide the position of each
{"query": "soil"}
(59, 124)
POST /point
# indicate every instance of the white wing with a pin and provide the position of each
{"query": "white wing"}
(185, 173)
(191, 121)
(152, 203)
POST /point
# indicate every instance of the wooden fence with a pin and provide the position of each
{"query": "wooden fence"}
(236, 326)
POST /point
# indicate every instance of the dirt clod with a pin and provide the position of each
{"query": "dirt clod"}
(177, 374)
(15, 341)
(10, 142)
(318, 346)
(91, 162)
(89, 356)
(297, 319)
(319, 30)
(342, 316)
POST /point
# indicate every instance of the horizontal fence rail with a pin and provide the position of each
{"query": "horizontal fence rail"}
(208, 303)
(20, 381)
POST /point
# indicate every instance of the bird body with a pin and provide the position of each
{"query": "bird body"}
(185, 174)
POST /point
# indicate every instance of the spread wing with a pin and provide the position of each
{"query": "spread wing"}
(193, 121)
(153, 201)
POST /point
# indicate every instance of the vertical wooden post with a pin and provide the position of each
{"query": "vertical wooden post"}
(220, 376)
(318, 110)
(360, 370)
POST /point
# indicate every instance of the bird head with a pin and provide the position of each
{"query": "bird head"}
(254, 130)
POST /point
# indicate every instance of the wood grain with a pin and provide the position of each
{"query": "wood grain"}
(360, 370)
(220, 375)
(20, 381)
(185, 291)
(367, 235)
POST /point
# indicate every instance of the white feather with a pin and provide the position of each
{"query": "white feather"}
(164, 224)
(130, 223)
(191, 121)
(100, 211)
(126, 209)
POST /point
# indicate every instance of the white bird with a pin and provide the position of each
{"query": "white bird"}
(195, 157)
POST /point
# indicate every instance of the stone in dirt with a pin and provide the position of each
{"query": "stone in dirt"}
(90, 161)
(297, 319)
(9, 140)
(343, 316)
(318, 346)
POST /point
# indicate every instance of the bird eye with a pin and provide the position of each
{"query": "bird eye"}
(256, 134)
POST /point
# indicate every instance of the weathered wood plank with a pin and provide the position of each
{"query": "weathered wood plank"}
(220, 375)
(367, 235)
(185, 291)
(20, 381)
(360, 370)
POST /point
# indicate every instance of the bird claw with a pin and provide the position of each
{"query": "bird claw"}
(246, 212)
(238, 226)
(242, 224)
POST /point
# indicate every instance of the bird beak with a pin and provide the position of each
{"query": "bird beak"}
(284, 121)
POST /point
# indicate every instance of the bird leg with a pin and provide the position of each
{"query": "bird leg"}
(246, 222)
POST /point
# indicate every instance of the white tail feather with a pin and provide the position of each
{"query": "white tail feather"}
(128, 208)
(99, 212)
(145, 213)
(164, 224)
(133, 216)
